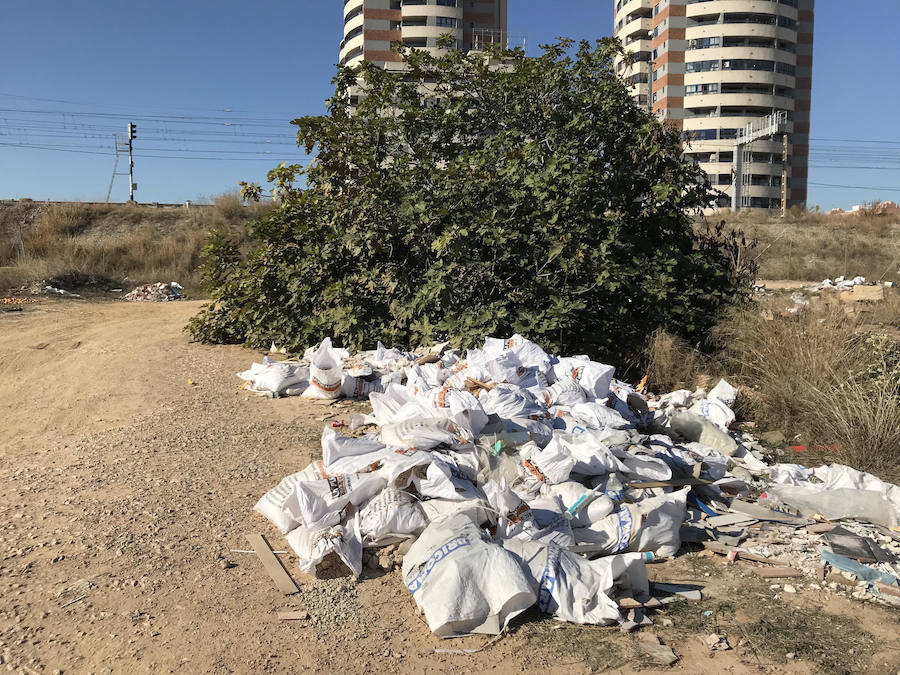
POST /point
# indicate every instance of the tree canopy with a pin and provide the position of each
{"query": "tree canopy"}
(475, 194)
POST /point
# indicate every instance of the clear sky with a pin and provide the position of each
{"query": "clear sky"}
(212, 86)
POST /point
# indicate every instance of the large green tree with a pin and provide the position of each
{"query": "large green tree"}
(467, 196)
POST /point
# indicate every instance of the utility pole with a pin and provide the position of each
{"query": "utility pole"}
(121, 144)
(132, 134)
(784, 164)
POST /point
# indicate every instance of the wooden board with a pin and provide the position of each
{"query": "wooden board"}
(674, 482)
(762, 513)
(777, 572)
(730, 519)
(293, 615)
(273, 565)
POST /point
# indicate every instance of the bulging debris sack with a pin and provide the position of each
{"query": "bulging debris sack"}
(325, 373)
(312, 545)
(462, 582)
(391, 516)
(328, 501)
(652, 524)
(573, 588)
(274, 377)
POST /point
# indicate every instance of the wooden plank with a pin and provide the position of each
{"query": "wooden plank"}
(740, 555)
(293, 615)
(730, 519)
(763, 513)
(777, 572)
(673, 482)
(273, 565)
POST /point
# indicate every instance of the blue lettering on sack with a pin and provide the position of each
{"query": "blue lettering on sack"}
(626, 525)
(439, 554)
(548, 579)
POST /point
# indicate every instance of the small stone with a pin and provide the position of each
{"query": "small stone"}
(226, 564)
(790, 655)
(789, 589)
(372, 564)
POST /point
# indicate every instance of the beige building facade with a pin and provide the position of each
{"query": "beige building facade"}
(370, 26)
(710, 67)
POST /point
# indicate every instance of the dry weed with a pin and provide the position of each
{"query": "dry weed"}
(114, 241)
(822, 375)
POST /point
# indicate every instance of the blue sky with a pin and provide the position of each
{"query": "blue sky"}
(222, 79)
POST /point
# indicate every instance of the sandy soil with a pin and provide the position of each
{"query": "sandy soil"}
(131, 461)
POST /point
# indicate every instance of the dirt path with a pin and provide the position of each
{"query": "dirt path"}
(124, 488)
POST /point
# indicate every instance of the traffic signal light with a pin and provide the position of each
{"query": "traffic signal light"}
(132, 131)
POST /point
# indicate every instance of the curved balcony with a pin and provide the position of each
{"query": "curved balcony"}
(432, 32)
(352, 5)
(723, 53)
(634, 27)
(632, 6)
(741, 76)
(351, 44)
(725, 122)
(352, 24)
(430, 11)
(755, 30)
(696, 9)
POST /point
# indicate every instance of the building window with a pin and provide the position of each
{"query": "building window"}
(353, 33)
(446, 21)
(785, 69)
(705, 43)
(447, 3)
(711, 88)
(699, 135)
(701, 66)
(417, 43)
(748, 64)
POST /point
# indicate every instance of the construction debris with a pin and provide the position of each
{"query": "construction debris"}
(505, 477)
(158, 292)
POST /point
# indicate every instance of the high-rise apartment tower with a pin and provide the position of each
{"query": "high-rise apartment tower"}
(370, 26)
(710, 67)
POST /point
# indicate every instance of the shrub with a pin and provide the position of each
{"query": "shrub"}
(467, 196)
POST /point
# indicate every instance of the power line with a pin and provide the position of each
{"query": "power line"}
(855, 187)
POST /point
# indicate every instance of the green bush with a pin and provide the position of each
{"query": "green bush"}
(469, 196)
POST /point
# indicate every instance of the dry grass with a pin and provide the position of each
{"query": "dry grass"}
(671, 363)
(830, 377)
(113, 241)
(814, 246)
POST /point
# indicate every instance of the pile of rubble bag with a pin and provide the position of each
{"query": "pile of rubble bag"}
(158, 292)
(511, 478)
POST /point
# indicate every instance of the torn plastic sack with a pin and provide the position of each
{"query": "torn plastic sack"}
(271, 504)
(540, 520)
(325, 374)
(273, 376)
(425, 433)
(590, 455)
(597, 415)
(391, 516)
(693, 427)
(323, 503)
(838, 503)
(312, 545)
(563, 393)
(593, 378)
(584, 505)
(714, 410)
(572, 588)
(650, 525)
(462, 582)
(724, 392)
(459, 406)
(336, 447)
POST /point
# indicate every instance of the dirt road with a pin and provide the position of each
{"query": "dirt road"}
(125, 487)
